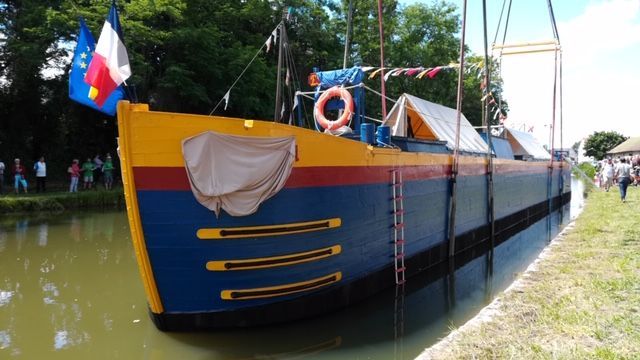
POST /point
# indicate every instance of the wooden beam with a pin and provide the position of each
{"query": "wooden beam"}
(530, 51)
(525, 44)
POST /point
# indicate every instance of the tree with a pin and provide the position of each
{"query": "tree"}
(600, 142)
(576, 146)
(185, 54)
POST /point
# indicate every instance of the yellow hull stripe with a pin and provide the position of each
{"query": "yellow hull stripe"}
(281, 290)
(159, 135)
(268, 230)
(274, 261)
(137, 236)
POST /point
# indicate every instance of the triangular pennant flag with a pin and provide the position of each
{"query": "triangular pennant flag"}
(226, 99)
(431, 74)
(413, 71)
(373, 74)
(423, 73)
(386, 76)
(274, 34)
(268, 43)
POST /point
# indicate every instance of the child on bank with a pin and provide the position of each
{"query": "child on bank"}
(19, 173)
(87, 173)
(107, 169)
(74, 174)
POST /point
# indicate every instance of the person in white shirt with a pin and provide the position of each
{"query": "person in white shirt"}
(41, 175)
(623, 174)
(607, 174)
(2, 167)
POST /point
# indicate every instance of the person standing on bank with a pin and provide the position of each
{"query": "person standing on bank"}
(107, 169)
(97, 170)
(1, 177)
(87, 174)
(40, 168)
(607, 174)
(18, 176)
(623, 173)
(74, 175)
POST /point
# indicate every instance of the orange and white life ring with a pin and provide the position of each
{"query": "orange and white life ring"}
(318, 110)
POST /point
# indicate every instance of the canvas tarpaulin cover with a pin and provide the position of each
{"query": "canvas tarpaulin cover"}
(237, 173)
(440, 120)
(524, 144)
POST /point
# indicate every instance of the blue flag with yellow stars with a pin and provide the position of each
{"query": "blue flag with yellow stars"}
(78, 89)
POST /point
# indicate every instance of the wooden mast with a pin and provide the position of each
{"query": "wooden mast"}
(382, 88)
(456, 153)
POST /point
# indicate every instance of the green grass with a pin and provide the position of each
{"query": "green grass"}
(61, 201)
(583, 301)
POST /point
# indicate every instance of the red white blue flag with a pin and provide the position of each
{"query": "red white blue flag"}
(78, 89)
(109, 67)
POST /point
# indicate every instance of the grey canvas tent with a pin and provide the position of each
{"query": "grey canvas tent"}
(422, 119)
(525, 146)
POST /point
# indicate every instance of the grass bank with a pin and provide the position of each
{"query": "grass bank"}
(581, 300)
(60, 201)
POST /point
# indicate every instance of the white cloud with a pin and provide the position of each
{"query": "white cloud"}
(601, 49)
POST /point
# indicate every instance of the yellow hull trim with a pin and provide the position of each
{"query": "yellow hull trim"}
(159, 136)
(274, 261)
(137, 236)
(281, 290)
(268, 230)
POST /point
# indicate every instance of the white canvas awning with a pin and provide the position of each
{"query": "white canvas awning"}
(525, 144)
(432, 121)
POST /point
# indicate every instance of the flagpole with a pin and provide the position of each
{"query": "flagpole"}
(277, 110)
(382, 88)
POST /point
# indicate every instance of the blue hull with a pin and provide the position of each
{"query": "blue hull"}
(191, 294)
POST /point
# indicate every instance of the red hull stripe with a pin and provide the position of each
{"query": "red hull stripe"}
(175, 178)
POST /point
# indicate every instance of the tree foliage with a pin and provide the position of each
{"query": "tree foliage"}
(600, 142)
(186, 53)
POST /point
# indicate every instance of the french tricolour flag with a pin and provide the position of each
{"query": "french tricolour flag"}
(110, 64)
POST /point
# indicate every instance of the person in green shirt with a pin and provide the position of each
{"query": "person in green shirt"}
(87, 173)
(107, 170)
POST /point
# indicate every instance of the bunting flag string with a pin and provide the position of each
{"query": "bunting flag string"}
(420, 72)
(417, 72)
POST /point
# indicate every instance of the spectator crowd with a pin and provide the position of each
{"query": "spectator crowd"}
(90, 173)
(621, 171)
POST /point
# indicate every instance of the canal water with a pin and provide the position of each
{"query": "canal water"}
(70, 289)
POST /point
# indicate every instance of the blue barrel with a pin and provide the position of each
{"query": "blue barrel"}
(383, 135)
(366, 133)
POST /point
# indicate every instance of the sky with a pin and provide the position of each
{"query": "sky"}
(600, 42)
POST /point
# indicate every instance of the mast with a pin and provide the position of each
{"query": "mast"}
(487, 121)
(456, 153)
(382, 88)
(346, 41)
(278, 110)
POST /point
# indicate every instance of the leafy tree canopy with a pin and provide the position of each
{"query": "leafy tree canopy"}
(186, 53)
(600, 142)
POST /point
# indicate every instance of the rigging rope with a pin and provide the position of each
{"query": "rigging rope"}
(241, 74)
(504, 2)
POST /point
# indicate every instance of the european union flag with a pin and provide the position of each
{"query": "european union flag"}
(78, 89)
